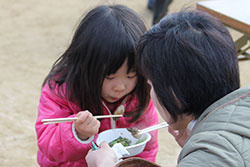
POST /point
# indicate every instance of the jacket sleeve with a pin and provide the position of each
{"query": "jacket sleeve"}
(149, 118)
(56, 141)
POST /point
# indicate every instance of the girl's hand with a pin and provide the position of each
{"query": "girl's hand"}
(104, 156)
(180, 136)
(86, 125)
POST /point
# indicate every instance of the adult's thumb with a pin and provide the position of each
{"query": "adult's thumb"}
(104, 145)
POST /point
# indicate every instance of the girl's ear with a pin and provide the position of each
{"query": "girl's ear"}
(149, 82)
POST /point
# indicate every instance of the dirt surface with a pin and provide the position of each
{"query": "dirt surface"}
(33, 34)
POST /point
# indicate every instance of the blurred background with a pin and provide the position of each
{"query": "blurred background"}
(33, 34)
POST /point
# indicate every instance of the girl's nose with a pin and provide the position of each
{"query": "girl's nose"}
(119, 87)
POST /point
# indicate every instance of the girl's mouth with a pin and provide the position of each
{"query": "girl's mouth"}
(114, 98)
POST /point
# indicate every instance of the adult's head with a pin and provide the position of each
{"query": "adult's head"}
(191, 61)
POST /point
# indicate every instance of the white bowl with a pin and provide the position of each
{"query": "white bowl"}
(133, 149)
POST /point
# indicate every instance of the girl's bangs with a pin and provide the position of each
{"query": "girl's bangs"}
(116, 54)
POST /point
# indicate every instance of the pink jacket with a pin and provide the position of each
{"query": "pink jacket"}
(57, 144)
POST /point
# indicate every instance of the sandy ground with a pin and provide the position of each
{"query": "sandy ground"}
(33, 34)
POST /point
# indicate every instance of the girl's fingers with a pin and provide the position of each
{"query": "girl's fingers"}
(86, 124)
(82, 113)
(95, 126)
(84, 117)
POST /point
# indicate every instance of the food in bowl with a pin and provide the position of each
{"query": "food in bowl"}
(134, 131)
(123, 140)
(135, 147)
(141, 140)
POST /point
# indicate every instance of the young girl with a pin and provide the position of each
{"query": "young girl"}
(95, 76)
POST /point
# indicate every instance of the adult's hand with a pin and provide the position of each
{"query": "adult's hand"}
(103, 156)
(180, 136)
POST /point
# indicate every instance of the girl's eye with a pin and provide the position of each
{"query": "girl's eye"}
(110, 77)
(132, 75)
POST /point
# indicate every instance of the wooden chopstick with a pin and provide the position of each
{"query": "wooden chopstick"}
(151, 128)
(59, 120)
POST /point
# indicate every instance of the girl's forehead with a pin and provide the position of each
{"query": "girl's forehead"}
(115, 65)
(124, 69)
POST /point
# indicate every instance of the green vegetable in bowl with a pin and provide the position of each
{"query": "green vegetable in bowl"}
(123, 140)
(141, 140)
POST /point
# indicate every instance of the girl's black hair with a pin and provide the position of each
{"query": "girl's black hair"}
(105, 37)
(191, 60)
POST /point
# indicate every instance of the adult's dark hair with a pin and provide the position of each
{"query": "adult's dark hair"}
(189, 56)
(105, 37)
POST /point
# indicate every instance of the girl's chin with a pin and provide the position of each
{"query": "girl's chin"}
(112, 100)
